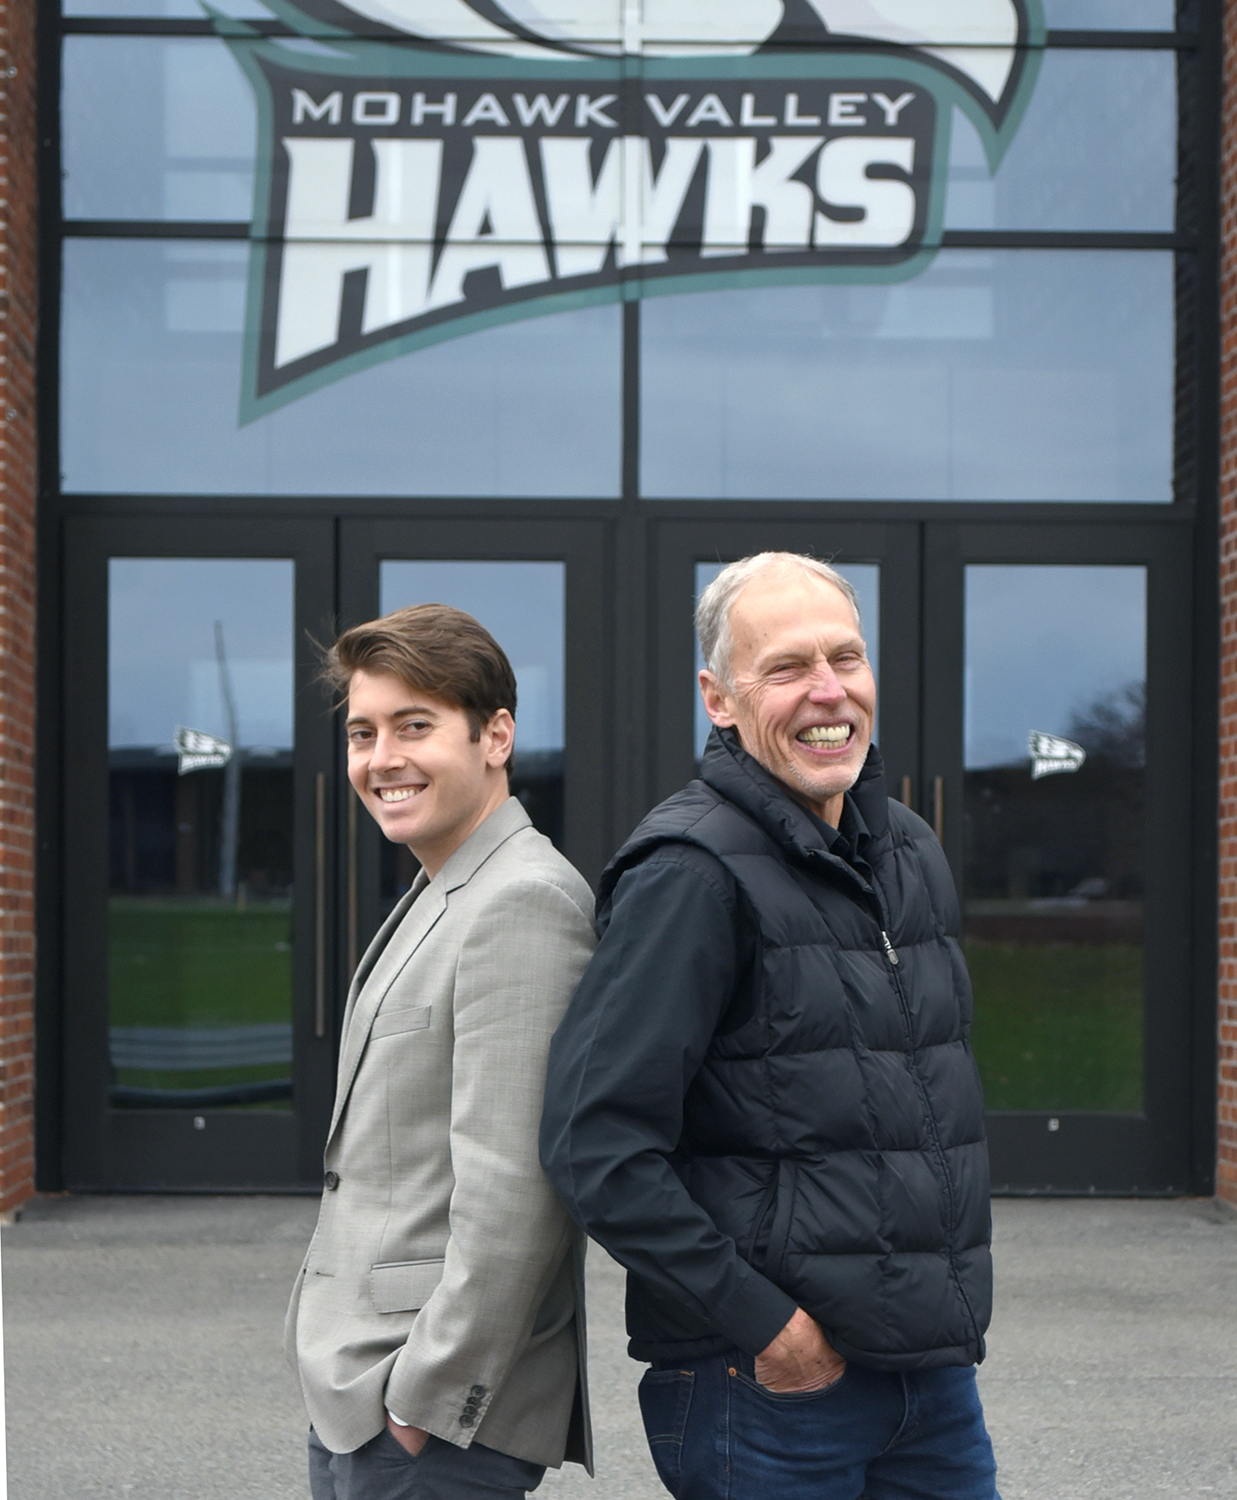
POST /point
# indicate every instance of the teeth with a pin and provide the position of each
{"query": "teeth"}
(826, 734)
(397, 793)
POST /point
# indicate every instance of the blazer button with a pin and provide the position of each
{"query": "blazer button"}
(331, 1180)
(467, 1419)
(478, 1391)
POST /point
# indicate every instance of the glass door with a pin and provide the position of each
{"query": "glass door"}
(541, 589)
(1034, 707)
(197, 1013)
(1057, 745)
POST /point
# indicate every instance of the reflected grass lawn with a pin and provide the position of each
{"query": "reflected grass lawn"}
(198, 963)
(1058, 1027)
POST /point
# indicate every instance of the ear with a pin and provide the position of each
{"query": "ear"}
(497, 737)
(719, 702)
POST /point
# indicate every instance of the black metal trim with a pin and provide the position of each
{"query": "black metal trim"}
(347, 507)
(951, 239)
(49, 894)
(155, 229)
(1204, 769)
(168, 26)
(1065, 239)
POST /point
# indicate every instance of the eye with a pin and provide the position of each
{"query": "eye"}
(358, 734)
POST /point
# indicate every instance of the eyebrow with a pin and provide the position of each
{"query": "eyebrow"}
(803, 652)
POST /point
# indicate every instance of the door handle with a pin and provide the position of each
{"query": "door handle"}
(938, 808)
(320, 904)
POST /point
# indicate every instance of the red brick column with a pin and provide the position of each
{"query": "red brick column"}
(18, 311)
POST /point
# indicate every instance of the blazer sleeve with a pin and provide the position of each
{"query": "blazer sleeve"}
(518, 965)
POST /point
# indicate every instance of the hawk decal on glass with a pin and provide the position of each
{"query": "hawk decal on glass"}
(1051, 755)
(431, 167)
(199, 751)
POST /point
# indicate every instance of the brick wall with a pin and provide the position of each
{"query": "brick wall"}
(18, 309)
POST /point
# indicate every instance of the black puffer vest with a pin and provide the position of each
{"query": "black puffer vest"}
(837, 1134)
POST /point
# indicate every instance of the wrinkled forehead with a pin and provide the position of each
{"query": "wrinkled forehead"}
(789, 601)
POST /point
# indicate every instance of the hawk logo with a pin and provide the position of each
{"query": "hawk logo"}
(1050, 754)
(431, 167)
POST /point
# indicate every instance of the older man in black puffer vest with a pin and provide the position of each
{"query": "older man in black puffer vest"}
(763, 1101)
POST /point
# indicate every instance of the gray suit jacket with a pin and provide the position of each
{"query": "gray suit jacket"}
(444, 1279)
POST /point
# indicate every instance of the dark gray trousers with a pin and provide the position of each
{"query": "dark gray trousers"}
(382, 1470)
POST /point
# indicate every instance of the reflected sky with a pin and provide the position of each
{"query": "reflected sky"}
(521, 604)
(163, 670)
(1002, 375)
(1122, 104)
(1110, 15)
(1043, 643)
(151, 378)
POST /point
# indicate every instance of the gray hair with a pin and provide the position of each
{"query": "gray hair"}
(715, 603)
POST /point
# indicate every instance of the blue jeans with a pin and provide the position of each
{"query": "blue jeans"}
(716, 1434)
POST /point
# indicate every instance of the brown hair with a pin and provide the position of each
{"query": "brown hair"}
(435, 648)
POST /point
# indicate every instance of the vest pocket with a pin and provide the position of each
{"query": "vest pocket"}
(783, 1216)
(758, 1241)
(403, 1286)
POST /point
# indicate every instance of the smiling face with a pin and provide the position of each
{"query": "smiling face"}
(801, 695)
(414, 763)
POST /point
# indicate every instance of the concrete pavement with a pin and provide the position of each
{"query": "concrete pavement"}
(142, 1353)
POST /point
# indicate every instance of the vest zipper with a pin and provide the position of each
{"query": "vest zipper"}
(907, 1021)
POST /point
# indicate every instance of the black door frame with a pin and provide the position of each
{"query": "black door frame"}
(120, 1149)
(630, 587)
(1149, 1152)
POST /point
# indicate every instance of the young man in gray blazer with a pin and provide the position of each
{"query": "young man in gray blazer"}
(437, 1325)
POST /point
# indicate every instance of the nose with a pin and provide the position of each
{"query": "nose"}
(826, 689)
(386, 754)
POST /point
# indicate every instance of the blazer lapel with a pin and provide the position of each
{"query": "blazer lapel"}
(403, 932)
(396, 941)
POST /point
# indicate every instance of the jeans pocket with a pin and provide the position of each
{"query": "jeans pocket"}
(665, 1398)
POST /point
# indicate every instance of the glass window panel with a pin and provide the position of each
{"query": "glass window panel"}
(156, 128)
(249, 10)
(200, 691)
(864, 578)
(1054, 832)
(1003, 375)
(522, 605)
(151, 386)
(1096, 149)
(1110, 15)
